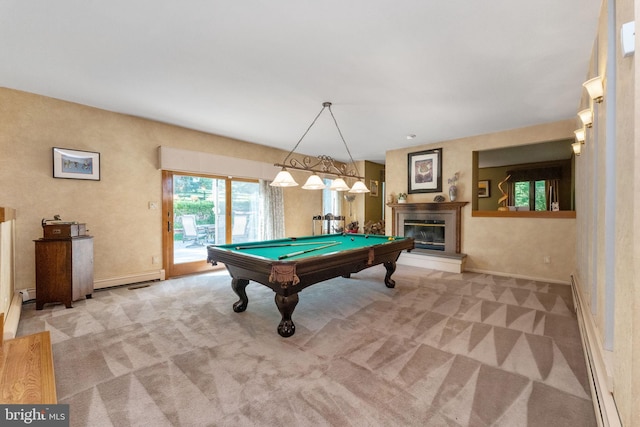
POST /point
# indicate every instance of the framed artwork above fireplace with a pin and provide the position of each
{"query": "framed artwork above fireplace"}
(425, 171)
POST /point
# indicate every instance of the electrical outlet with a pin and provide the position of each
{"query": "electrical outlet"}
(153, 205)
(155, 259)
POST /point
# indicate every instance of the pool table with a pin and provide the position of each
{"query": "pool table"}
(289, 265)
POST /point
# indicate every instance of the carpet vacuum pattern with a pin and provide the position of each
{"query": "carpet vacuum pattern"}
(440, 349)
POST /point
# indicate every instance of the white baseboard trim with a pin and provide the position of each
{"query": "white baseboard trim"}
(13, 317)
(434, 262)
(519, 276)
(454, 265)
(129, 279)
(600, 379)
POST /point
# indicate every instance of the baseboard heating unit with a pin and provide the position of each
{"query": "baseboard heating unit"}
(603, 403)
(129, 279)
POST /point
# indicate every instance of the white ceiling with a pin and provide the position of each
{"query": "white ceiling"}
(259, 70)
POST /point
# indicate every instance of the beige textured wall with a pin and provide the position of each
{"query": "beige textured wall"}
(115, 209)
(515, 246)
(631, 132)
(300, 205)
(591, 248)
(627, 255)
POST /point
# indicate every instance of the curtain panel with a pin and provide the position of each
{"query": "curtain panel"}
(271, 212)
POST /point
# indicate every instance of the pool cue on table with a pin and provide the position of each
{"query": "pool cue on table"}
(279, 245)
(292, 254)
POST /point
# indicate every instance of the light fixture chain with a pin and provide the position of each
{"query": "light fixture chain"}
(343, 141)
(325, 165)
(306, 132)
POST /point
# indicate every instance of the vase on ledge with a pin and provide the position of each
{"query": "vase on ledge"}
(453, 193)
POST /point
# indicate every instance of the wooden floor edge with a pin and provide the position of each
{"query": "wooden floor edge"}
(49, 394)
(26, 370)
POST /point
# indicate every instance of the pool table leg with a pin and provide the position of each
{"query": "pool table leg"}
(391, 267)
(286, 305)
(239, 286)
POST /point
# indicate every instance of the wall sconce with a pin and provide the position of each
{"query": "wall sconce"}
(577, 148)
(586, 116)
(595, 88)
(580, 136)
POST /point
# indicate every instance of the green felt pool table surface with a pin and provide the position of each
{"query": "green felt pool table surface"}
(310, 246)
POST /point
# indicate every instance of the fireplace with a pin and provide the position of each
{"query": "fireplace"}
(436, 227)
(427, 233)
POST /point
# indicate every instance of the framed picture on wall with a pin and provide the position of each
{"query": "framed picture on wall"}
(76, 164)
(484, 188)
(373, 186)
(425, 171)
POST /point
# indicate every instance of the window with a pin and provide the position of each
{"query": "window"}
(331, 200)
(537, 188)
(530, 193)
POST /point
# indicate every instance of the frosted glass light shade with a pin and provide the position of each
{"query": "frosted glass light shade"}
(284, 179)
(339, 185)
(579, 135)
(314, 183)
(586, 116)
(359, 187)
(595, 88)
(577, 148)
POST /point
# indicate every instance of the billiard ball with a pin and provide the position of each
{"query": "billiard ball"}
(366, 236)
(390, 238)
(352, 239)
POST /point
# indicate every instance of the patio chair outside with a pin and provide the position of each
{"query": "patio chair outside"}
(240, 229)
(191, 232)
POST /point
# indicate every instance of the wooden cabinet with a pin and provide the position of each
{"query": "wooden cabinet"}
(64, 270)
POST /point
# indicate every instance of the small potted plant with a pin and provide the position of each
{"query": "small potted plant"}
(402, 197)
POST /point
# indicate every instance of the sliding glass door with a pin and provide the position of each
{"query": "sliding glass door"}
(245, 199)
(201, 210)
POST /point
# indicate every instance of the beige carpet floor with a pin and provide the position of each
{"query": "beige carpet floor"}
(441, 349)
